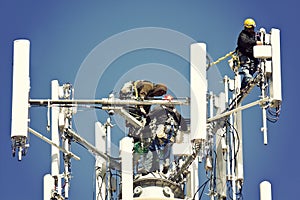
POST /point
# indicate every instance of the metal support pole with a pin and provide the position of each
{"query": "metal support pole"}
(194, 178)
(107, 101)
(210, 156)
(108, 152)
(55, 154)
(100, 143)
(238, 143)
(48, 186)
(67, 165)
(228, 136)
(238, 149)
(221, 151)
(232, 166)
(264, 128)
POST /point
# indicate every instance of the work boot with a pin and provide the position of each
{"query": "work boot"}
(245, 82)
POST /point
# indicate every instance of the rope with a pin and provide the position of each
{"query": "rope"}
(135, 90)
(220, 59)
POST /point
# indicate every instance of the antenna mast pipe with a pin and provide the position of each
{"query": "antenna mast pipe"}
(237, 109)
(107, 101)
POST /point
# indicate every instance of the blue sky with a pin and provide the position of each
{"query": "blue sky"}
(65, 34)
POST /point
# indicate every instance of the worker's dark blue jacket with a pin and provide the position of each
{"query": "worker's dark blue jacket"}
(245, 43)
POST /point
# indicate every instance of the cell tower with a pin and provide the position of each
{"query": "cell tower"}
(176, 148)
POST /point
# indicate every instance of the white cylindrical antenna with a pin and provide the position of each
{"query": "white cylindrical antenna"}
(198, 91)
(265, 190)
(20, 96)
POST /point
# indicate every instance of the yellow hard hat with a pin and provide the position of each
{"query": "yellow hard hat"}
(249, 23)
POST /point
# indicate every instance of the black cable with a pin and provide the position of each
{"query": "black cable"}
(110, 184)
(273, 116)
(213, 174)
(209, 62)
(238, 139)
(200, 188)
(202, 191)
(215, 171)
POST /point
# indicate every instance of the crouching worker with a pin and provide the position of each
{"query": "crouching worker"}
(140, 90)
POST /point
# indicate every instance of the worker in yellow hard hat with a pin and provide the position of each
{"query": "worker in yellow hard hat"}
(249, 23)
(247, 39)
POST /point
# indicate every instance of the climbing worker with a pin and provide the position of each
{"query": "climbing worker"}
(164, 126)
(247, 39)
(168, 126)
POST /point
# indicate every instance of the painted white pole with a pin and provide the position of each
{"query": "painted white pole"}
(265, 190)
(108, 152)
(238, 143)
(67, 175)
(55, 154)
(233, 163)
(220, 149)
(126, 146)
(194, 179)
(48, 186)
(264, 128)
(20, 96)
(100, 145)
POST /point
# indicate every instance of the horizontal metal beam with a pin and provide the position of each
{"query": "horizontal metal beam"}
(107, 101)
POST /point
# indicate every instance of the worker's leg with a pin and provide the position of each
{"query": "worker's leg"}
(246, 76)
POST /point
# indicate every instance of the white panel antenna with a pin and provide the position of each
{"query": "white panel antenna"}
(20, 97)
(198, 91)
(275, 87)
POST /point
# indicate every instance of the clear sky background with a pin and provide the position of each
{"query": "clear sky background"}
(65, 34)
